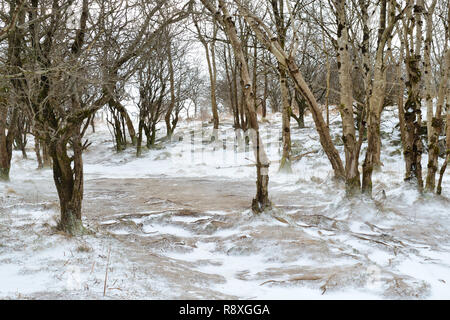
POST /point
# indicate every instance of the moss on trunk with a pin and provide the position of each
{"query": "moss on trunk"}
(70, 223)
(4, 174)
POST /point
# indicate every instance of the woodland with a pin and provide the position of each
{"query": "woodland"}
(224, 149)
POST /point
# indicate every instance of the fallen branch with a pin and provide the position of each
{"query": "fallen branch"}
(301, 278)
(298, 157)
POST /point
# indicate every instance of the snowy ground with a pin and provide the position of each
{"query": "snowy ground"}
(176, 224)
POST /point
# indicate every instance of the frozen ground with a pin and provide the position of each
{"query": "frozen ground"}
(176, 224)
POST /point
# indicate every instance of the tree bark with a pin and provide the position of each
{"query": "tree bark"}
(400, 106)
(125, 116)
(429, 90)
(352, 176)
(414, 148)
(437, 126)
(6, 141)
(265, 94)
(69, 184)
(285, 163)
(168, 115)
(278, 12)
(376, 99)
(435, 123)
(37, 150)
(10, 105)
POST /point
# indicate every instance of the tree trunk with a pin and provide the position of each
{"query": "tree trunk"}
(210, 52)
(255, 72)
(447, 144)
(229, 76)
(168, 115)
(213, 87)
(400, 106)
(119, 134)
(153, 134)
(242, 108)
(125, 116)
(376, 98)
(297, 102)
(6, 141)
(37, 149)
(429, 90)
(46, 158)
(352, 176)
(93, 123)
(376, 101)
(278, 13)
(413, 151)
(264, 99)
(435, 123)
(15, 39)
(234, 75)
(139, 137)
(285, 163)
(69, 184)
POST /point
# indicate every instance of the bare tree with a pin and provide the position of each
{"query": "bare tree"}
(377, 93)
(346, 102)
(9, 101)
(413, 57)
(435, 121)
(153, 82)
(266, 37)
(210, 53)
(65, 82)
(281, 29)
(261, 202)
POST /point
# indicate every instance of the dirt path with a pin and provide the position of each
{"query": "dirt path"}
(108, 196)
(196, 238)
(136, 195)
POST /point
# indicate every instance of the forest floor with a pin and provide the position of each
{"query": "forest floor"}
(176, 224)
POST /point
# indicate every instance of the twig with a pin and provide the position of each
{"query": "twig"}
(324, 286)
(106, 272)
(92, 269)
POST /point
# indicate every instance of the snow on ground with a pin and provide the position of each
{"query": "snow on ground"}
(176, 224)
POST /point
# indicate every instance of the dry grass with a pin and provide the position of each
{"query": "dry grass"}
(10, 191)
(84, 248)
